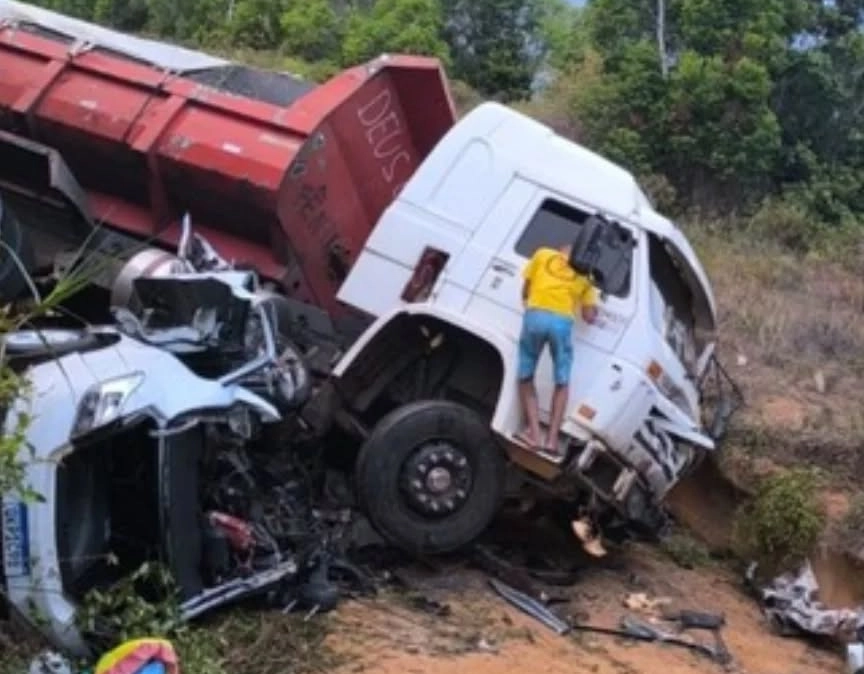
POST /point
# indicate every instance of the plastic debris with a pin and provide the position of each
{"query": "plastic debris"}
(50, 662)
(140, 656)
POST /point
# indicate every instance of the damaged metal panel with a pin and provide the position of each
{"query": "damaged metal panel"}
(791, 602)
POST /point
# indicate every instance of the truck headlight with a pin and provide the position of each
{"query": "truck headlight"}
(103, 403)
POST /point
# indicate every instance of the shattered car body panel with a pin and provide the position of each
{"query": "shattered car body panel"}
(137, 457)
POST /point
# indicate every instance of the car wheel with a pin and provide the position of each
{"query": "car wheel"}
(430, 477)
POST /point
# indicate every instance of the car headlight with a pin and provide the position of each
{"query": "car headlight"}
(104, 402)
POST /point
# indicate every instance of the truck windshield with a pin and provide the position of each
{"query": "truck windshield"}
(672, 304)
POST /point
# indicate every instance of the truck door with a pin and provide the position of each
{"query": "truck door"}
(551, 221)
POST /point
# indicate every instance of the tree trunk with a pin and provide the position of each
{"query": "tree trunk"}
(661, 37)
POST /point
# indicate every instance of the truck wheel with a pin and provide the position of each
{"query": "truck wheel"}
(430, 477)
(12, 281)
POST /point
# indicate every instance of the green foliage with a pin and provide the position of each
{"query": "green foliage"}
(112, 615)
(144, 604)
(313, 30)
(12, 463)
(121, 14)
(495, 44)
(255, 23)
(563, 31)
(723, 132)
(116, 614)
(787, 223)
(783, 521)
(401, 26)
(686, 552)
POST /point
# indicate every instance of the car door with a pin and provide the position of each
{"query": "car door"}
(553, 221)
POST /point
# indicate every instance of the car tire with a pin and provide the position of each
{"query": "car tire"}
(13, 283)
(427, 454)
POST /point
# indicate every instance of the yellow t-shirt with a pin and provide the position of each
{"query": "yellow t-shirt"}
(555, 286)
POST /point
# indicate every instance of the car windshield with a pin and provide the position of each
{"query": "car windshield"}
(672, 305)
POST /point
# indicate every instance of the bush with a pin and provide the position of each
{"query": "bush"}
(786, 223)
(661, 192)
(686, 552)
(781, 524)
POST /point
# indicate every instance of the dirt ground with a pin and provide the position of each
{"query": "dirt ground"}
(484, 635)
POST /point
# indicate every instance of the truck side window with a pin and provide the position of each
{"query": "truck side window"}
(555, 225)
(672, 303)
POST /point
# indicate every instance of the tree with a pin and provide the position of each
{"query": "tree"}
(496, 44)
(412, 26)
(256, 23)
(312, 30)
(723, 136)
(198, 20)
(617, 24)
(562, 31)
(129, 15)
(820, 103)
(623, 115)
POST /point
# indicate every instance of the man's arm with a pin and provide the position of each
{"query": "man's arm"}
(527, 275)
(589, 304)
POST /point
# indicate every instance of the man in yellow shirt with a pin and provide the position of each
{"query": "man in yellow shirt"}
(553, 293)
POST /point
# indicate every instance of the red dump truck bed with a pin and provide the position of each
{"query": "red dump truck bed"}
(284, 175)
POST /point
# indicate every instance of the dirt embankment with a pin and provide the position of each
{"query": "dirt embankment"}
(484, 635)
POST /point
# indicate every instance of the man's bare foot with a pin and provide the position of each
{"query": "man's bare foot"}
(551, 446)
(525, 437)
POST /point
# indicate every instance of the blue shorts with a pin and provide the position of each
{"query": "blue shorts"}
(538, 329)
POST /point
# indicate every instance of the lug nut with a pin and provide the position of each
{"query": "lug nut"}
(435, 506)
(416, 484)
(422, 467)
(460, 493)
(461, 462)
(448, 456)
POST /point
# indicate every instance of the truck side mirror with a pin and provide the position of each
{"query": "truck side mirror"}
(603, 250)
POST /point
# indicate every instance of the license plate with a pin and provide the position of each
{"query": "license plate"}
(16, 540)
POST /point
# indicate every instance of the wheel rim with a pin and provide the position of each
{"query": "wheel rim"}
(28, 339)
(437, 479)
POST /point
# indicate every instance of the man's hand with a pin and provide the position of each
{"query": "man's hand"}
(589, 314)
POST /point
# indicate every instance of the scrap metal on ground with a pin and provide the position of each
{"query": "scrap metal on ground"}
(792, 605)
(630, 626)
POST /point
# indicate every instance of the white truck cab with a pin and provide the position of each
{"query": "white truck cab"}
(446, 259)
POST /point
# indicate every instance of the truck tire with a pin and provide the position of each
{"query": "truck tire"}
(430, 477)
(12, 281)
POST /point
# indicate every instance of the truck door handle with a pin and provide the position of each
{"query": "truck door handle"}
(502, 268)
